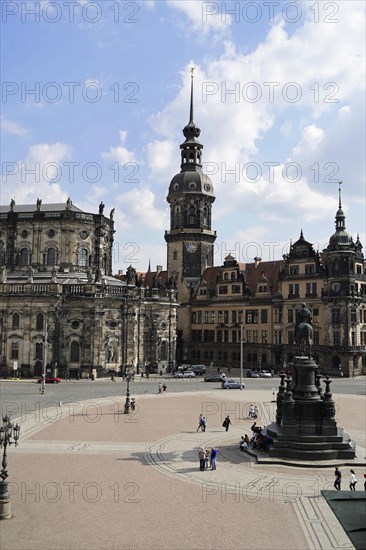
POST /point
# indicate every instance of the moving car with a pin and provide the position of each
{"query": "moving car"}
(50, 380)
(215, 378)
(252, 374)
(265, 374)
(231, 384)
(185, 374)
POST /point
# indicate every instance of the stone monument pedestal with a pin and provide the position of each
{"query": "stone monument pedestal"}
(305, 427)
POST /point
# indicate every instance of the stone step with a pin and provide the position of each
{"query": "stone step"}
(311, 445)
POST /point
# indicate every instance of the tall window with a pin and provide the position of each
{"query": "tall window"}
(39, 321)
(51, 256)
(74, 352)
(16, 319)
(163, 351)
(278, 315)
(83, 257)
(39, 350)
(278, 336)
(2, 256)
(14, 350)
(24, 256)
(336, 316)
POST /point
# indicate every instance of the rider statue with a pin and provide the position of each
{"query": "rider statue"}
(304, 330)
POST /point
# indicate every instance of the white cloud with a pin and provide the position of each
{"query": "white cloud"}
(120, 153)
(204, 17)
(162, 158)
(137, 209)
(13, 128)
(32, 177)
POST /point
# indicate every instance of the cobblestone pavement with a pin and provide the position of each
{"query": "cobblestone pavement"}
(86, 476)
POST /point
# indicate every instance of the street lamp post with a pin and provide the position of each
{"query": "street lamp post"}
(43, 388)
(241, 355)
(128, 401)
(9, 434)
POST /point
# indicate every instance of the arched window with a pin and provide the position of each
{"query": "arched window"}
(163, 351)
(16, 319)
(233, 274)
(74, 352)
(51, 256)
(39, 350)
(24, 256)
(14, 354)
(39, 321)
(83, 257)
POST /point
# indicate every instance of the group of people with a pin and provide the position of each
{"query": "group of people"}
(202, 423)
(207, 458)
(253, 412)
(352, 480)
(162, 387)
(260, 440)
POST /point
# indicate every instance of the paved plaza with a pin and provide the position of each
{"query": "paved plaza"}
(86, 476)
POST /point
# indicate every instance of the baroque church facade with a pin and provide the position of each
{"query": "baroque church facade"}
(61, 310)
(254, 305)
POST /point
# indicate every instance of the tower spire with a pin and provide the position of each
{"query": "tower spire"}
(191, 105)
(340, 194)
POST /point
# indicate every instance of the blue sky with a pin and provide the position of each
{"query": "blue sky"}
(279, 98)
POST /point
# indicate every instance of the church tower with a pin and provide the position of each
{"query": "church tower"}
(190, 239)
(343, 298)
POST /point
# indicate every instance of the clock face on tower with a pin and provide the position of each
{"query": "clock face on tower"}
(191, 247)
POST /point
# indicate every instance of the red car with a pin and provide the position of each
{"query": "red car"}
(50, 380)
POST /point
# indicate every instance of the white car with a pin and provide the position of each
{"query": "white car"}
(185, 374)
(265, 374)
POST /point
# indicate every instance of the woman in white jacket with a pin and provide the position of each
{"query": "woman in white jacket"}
(352, 481)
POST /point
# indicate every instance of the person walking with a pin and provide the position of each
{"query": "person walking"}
(160, 387)
(226, 423)
(204, 424)
(352, 481)
(200, 423)
(338, 479)
(213, 458)
(202, 456)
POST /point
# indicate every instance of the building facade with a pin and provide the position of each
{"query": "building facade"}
(250, 309)
(61, 310)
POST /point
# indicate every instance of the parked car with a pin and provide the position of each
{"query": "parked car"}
(50, 380)
(198, 369)
(231, 384)
(215, 378)
(182, 368)
(252, 374)
(265, 374)
(185, 374)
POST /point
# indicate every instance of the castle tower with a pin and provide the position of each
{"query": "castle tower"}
(190, 239)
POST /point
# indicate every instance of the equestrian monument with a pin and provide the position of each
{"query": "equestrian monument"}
(305, 428)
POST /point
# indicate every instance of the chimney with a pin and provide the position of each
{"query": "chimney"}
(158, 269)
(257, 261)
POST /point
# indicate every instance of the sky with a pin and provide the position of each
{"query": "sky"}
(95, 96)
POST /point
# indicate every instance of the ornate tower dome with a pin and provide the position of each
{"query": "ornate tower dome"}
(190, 238)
